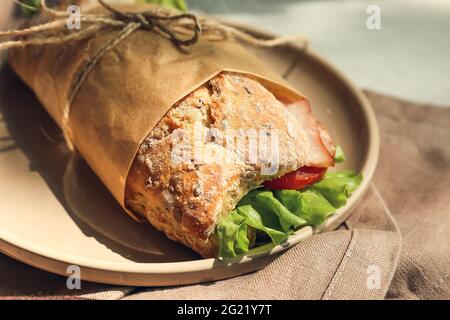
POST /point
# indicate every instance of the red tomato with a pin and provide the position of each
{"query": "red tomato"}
(300, 179)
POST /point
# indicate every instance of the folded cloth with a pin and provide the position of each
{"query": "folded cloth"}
(396, 245)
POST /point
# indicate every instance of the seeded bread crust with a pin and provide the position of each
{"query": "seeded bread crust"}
(186, 200)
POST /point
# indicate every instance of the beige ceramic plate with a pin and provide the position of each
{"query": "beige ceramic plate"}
(54, 212)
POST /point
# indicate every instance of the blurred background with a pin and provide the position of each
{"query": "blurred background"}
(408, 57)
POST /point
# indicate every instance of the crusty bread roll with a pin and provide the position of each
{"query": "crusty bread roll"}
(187, 200)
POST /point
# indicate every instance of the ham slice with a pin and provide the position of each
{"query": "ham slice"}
(321, 143)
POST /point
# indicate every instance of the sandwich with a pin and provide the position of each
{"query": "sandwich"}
(223, 208)
(205, 143)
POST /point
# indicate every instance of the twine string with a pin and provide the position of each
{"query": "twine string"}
(182, 29)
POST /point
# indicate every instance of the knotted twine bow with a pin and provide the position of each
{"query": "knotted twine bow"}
(182, 29)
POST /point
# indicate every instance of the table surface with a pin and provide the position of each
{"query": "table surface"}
(408, 57)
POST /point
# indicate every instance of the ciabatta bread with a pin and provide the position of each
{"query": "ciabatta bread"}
(187, 200)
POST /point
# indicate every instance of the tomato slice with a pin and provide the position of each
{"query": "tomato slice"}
(300, 179)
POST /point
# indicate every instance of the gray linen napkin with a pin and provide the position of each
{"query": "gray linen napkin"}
(396, 245)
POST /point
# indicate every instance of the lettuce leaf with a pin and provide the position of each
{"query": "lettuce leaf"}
(173, 4)
(232, 232)
(339, 156)
(254, 220)
(336, 187)
(30, 8)
(309, 205)
(277, 214)
(270, 204)
(268, 219)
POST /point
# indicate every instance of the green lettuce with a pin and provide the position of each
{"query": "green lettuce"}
(254, 220)
(336, 187)
(277, 214)
(173, 4)
(309, 205)
(232, 231)
(30, 8)
(339, 155)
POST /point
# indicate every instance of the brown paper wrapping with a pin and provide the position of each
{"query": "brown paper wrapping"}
(129, 90)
